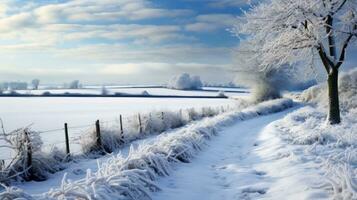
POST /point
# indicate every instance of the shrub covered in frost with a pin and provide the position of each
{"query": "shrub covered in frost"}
(29, 162)
(185, 82)
(221, 94)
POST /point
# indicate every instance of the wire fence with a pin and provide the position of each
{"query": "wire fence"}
(69, 138)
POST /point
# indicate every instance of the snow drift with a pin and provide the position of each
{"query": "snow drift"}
(185, 82)
(134, 177)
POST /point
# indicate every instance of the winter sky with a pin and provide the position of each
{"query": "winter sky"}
(116, 41)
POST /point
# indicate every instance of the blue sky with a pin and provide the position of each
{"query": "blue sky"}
(117, 41)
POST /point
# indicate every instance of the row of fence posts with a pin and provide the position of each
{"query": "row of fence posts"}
(98, 132)
(98, 138)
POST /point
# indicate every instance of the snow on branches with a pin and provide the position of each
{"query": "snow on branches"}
(288, 31)
(293, 31)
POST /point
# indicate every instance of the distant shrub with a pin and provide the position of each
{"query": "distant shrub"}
(104, 91)
(47, 93)
(185, 82)
(221, 93)
(145, 93)
(74, 84)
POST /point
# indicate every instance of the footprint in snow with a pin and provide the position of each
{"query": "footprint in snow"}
(250, 190)
(250, 193)
(78, 171)
(259, 173)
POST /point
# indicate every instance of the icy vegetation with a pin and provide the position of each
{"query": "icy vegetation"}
(347, 92)
(334, 147)
(185, 82)
(144, 125)
(134, 176)
(32, 163)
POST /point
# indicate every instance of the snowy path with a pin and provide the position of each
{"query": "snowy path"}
(239, 164)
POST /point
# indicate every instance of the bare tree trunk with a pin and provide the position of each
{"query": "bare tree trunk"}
(334, 106)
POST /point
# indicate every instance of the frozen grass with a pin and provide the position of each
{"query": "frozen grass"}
(152, 123)
(134, 176)
(32, 163)
(334, 146)
(29, 162)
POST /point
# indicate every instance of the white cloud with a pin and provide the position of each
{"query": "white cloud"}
(211, 22)
(53, 24)
(168, 53)
(227, 3)
(104, 37)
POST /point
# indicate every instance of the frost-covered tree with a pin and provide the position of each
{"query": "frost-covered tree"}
(104, 91)
(74, 84)
(294, 31)
(35, 83)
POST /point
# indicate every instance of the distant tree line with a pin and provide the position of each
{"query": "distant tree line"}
(34, 85)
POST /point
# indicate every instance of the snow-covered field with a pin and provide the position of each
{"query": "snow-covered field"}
(46, 113)
(207, 91)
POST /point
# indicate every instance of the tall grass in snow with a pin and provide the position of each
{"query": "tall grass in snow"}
(152, 123)
(29, 161)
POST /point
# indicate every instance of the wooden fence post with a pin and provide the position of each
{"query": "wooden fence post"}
(29, 154)
(140, 127)
(67, 139)
(97, 129)
(121, 127)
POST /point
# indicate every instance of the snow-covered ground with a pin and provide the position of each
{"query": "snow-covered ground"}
(52, 112)
(247, 161)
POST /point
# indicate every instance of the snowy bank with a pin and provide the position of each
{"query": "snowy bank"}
(333, 146)
(133, 177)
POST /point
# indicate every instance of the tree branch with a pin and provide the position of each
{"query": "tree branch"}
(325, 60)
(343, 51)
(339, 8)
